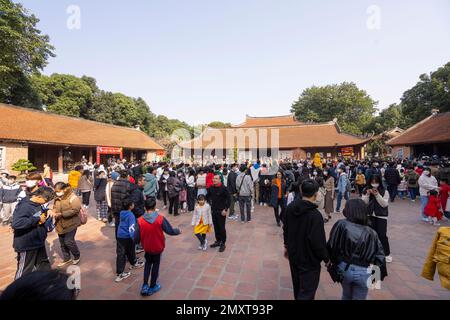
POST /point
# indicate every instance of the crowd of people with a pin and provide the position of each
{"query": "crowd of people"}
(301, 193)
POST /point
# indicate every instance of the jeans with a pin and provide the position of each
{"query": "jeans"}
(152, 262)
(69, 245)
(354, 285)
(402, 194)
(392, 189)
(245, 203)
(233, 200)
(346, 196)
(423, 204)
(412, 193)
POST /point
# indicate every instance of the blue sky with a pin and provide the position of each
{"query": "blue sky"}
(206, 60)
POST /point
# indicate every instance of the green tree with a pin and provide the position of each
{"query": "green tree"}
(387, 119)
(63, 93)
(24, 51)
(352, 107)
(432, 91)
(219, 125)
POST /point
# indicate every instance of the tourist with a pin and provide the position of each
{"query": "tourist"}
(320, 200)
(100, 184)
(294, 193)
(183, 191)
(360, 182)
(85, 185)
(403, 186)
(433, 210)
(125, 242)
(210, 177)
(151, 183)
(190, 183)
(163, 186)
(343, 187)
(201, 182)
(392, 177)
(32, 182)
(120, 190)
(232, 189)
(74, 177)
(439, 248)
(31, 224)
(47, 175)
(329, 195)
(444, 194)
(305, 242)
(377, 199)
(66, 212)
(219, 199)
(9, 195)
(426, 183)
(137, 196)
(444, 171)
(202, 221)
(245, 192)
(353, 247)
(255, 170)
(40, 286)
(112, 177)
(150, 229)
(412, 178)
(278, 197)
(173, 191)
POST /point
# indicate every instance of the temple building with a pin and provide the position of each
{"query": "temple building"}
(431, 136)
(61, 141)
(279, 137)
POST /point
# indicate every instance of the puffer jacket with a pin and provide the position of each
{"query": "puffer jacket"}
(412, 176)
(427, 184)
(69, 206)
(74, 176)
(120, 190)
(439, 257)
(356, 244)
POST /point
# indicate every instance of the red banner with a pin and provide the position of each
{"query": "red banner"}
(347, 151)
(109, 150)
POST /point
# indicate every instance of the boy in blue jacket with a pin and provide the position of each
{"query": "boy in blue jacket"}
(125, 242)
(31, 223)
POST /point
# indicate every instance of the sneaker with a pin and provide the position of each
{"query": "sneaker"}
(122, 276)
(165, 207)
(205, 246)
(64, 263)
(388, 259)
(215, 244)
(242, 221)
(235, 218)
(436, 223)
(200, 247)
(76, 261)
(413, 200)
(112, 225)
(156, 288)
(137, 265)
(146, 290)
(260, 204)
(99, 218)
(105, 220)
(231, 217)
(222, 247)
(337, 212)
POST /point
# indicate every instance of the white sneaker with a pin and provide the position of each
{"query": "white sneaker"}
(389, 259)
(165, 207)
(200, 247)
(122, 276)
(205, 246)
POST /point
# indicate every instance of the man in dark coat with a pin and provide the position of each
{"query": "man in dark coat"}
(392, 177)
(305, 242)
(232, 189)
(120, 191)
(219, 199)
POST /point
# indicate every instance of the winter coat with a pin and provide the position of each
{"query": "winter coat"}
(426, 184)
(274, 195)
(120, 190)
(439, 257)
(392, 176)
(203, 213)
(219, 198)
(85, 183)
(412, 179)
(74, 176)
(100, 189)
(150, 185)
(137, 196)
(231, 182)
(433, 208)
(9, 193)
(444, 173)
(244, 185)
(342, 183)
(304, 235)
(69, 206)
(173, 187)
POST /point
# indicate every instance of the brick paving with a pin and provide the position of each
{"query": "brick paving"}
(252, 267)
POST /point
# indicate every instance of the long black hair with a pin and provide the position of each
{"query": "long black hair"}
(356, 211)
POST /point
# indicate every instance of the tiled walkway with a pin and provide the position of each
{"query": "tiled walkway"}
(252, 267)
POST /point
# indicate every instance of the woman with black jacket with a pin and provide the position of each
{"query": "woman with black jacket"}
(173, 191)
(355, 248)
(100, 196)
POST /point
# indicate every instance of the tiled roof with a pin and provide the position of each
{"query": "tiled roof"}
(435, 128)
(300, 136)
(28, 125)
(277, 121)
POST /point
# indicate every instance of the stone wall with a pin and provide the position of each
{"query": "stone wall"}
(12, 153)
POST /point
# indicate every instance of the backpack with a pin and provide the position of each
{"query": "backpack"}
(83, 214)
(412, 180)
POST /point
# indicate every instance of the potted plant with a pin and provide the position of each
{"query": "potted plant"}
(23, 166)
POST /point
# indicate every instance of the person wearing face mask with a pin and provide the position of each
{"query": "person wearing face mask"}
(100, 196)
(9, 194)
(31, 223)
(427, 183)
(329, 195)
(66, 211)
(343, 187)
(163, 186)
(305, 242)
(232, 190)
(377, 199)
(278, 197)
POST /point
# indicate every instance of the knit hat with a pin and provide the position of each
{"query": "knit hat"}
(115, 175)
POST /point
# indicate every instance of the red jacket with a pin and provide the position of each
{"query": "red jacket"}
(433, 208)
(445, 189)
(152, 235)
(209, 180)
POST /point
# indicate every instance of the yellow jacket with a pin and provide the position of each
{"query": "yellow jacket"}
(360, 179)
(74, 176)
(439, 256)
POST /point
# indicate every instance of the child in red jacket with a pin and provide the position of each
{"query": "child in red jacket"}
(434, 208)
(444, 193)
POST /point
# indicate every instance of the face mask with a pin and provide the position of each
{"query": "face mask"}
(325, 173)
(375, 185)
(11, 181)
(31, 183)
(60, 194)
(314, 173)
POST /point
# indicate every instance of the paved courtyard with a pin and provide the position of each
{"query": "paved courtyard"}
(252, 267)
